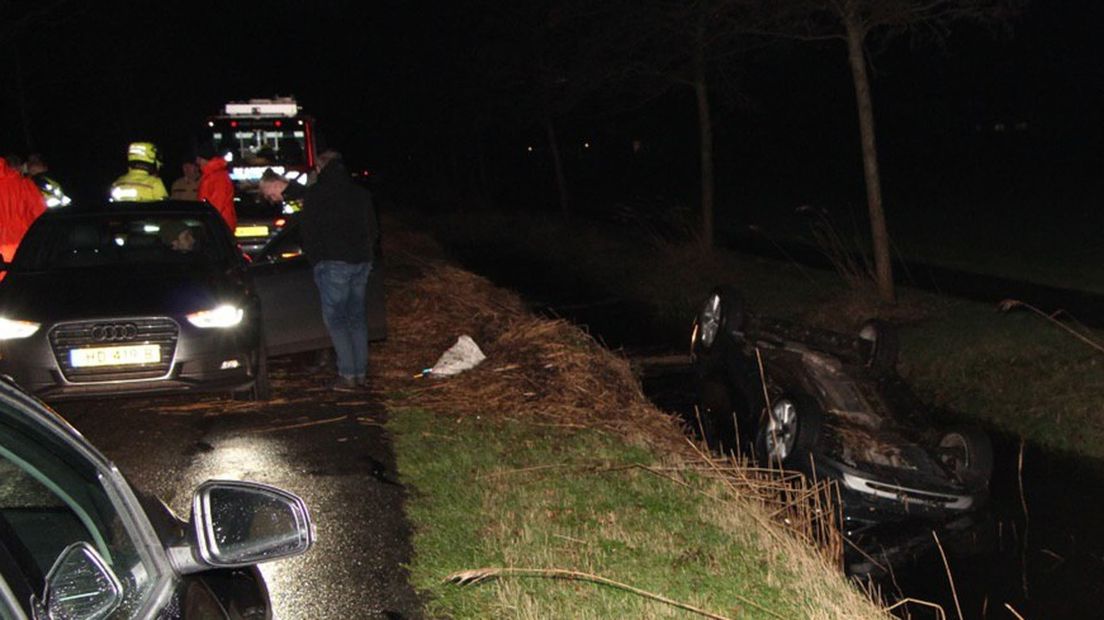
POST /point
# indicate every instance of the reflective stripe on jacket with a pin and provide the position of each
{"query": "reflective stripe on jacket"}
(137, 185)
(51, 191)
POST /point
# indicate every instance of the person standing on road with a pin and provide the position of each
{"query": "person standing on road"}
(339, 237)
(187, 186)
(140, 183)
(20, 204)
(215, 186)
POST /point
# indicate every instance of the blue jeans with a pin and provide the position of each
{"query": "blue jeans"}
(341, 287)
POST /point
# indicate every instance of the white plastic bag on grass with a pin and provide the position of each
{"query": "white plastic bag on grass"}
(463, 355)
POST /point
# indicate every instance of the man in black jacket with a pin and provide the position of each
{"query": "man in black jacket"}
(339, 238)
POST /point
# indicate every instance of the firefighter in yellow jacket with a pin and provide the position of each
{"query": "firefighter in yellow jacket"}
(140, 183)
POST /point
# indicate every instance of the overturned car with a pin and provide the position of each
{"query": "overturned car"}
(832, 405)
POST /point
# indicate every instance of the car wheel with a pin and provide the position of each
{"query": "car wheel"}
(262, 387)
(789, 431)
(722, 310)
(884, 344)
(968, 454)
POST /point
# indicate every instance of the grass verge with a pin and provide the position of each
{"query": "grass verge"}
(495, 494)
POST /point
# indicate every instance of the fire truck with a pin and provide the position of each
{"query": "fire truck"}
(254, 136)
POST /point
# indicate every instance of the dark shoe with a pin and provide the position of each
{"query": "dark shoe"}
(343, 384)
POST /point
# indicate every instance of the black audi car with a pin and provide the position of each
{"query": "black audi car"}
(833, 406)
(143, 298)
(131, 298)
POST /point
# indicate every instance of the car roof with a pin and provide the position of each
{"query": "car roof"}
(167, 207)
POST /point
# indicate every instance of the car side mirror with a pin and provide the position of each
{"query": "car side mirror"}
(242, 523)
(80, 586)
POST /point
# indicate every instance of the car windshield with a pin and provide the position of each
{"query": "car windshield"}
(120, 239)
(262, 142)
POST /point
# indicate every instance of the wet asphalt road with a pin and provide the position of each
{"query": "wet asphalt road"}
(329, 448)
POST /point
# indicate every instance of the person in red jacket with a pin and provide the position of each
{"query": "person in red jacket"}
(20, 204)
(214, 184)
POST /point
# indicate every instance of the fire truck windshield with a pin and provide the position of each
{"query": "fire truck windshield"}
(261, 142)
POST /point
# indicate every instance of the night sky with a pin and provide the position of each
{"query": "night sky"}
(396, 84)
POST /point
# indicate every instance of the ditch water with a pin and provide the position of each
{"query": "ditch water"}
(1037, 550)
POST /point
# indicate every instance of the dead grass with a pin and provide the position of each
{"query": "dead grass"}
(546, 370)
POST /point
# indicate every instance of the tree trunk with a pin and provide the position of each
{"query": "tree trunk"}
(857, 59)
(557, 165)
(705, 130)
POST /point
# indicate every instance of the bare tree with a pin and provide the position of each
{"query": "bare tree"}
(526, 71)
(853, 22)
(662, 44)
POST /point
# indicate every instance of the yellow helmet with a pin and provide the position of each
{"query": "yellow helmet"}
(145, 152)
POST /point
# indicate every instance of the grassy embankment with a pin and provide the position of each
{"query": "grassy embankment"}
(494, 494)
(1014, 371)
(1056, 245)
(547, 456)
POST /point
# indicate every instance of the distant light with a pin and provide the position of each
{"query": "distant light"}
(278, 123)
(119, 241)
(151, 228)
(529, 148)
(300, 121)
(586, 145)
(228, 364)
(280, 222)
(210, 123)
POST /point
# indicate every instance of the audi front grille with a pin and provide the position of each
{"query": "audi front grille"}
(160, 331)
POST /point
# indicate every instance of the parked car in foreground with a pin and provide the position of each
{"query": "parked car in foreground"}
(77, 542)
(107, 300)
(833, 406)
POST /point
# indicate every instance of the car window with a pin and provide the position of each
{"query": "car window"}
(134, 239)
(51, 496)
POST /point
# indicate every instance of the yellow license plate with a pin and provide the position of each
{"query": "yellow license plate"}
(251, 231)
(115, 356)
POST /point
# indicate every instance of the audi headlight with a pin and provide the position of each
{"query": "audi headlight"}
(223, 316)
(11, 329)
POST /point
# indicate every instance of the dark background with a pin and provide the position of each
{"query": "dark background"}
(987, 124)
